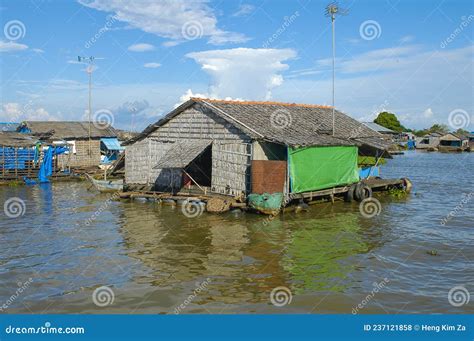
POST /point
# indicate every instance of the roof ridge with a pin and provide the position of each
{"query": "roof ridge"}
(224, 101)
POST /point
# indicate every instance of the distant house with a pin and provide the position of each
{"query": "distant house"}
(8, 126)
(471, 141)
(238, 148)
(453, 142)
(387, 133)
(429, 141)
(85, 150)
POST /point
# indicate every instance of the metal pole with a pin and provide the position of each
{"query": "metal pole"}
(90, 108)
(333, 19)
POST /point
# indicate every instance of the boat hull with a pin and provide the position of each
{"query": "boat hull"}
(266, 203)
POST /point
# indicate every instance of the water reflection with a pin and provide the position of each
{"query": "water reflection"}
(154, 257)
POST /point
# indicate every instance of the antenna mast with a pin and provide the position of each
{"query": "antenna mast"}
(89, 70)
(331, 11)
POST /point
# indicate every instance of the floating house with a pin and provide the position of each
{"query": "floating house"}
(85, 150)
(429, 141)
(453, 143)
(236, 148)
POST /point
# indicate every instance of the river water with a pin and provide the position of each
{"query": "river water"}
(153, 259)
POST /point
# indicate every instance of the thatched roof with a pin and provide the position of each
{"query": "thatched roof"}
(68, 129)
(14, 139)
(284, 123)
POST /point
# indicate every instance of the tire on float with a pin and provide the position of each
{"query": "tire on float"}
(349, 196)
(362, 191)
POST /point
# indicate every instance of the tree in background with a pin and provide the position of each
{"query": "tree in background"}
(435, 128)
(389, 121)
(439, 128)
(461, 132)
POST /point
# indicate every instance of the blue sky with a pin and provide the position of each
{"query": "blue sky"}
(411, 58)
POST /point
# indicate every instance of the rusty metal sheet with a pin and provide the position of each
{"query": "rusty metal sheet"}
(268, 176)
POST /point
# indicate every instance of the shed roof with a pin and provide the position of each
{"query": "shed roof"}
(379, 128)
(182, 153)
(14, 139)
(284, 123)
(69, 129)
(111, 143)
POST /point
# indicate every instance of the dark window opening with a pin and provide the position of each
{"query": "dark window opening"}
(200, 169)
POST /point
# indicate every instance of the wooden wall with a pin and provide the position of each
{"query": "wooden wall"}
(231, 150)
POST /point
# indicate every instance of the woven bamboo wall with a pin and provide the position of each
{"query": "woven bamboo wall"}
(230, 151)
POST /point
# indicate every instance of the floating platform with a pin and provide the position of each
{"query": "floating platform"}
(217, 203)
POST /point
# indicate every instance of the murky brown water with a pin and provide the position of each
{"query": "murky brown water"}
(153, 257)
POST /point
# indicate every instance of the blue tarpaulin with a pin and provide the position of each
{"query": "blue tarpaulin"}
(16, 158)
(111, 143)
(46, 168)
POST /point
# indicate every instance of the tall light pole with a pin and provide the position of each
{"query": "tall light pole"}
(331, 11)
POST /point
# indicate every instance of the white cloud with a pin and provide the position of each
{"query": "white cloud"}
(428, 113)
(406, 39)
(169, 18)
(141, 47)
(37, 50)
(15, 112)
(11, 46)
(152, 65)
(243, 72)
(409, 79)
(244, 10)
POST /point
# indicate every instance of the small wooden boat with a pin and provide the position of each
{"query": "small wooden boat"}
(106, 185)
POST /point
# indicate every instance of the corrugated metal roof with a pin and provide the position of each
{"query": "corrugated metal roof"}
(379, 128)
(182, 153)
(111, 143)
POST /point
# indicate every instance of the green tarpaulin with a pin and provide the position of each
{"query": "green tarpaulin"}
(315, 168)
